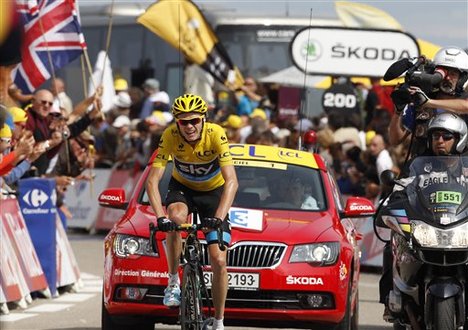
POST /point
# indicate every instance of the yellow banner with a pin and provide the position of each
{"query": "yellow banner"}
(182, 25)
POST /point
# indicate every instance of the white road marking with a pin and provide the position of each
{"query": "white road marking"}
(91, 285)
(74, 297)
(48, 308)
(13, 317)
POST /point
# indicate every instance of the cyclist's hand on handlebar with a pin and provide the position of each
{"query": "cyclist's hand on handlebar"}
(164, 224)
(211, 223)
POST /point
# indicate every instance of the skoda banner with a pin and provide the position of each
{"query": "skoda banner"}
(37, 203)
(338, 51)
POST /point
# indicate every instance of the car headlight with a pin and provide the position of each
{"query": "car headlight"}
(325, 253)
(428, 236)
(127, 245)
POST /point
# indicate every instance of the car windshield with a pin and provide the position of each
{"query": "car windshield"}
(281, 187)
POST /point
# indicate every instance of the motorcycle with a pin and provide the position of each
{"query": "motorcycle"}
(427, 214)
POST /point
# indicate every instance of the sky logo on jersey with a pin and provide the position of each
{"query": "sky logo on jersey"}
(197, 172)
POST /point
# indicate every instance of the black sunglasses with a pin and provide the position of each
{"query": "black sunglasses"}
(193, 121)
(446, 136)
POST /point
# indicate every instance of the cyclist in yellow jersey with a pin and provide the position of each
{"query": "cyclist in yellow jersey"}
(203, 178)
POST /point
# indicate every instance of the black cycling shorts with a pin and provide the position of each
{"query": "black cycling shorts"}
(205, 203)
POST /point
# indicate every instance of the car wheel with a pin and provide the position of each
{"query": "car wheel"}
(347, 322)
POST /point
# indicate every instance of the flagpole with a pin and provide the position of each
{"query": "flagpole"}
(108, 39)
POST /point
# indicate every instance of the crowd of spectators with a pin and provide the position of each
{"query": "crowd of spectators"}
(45, 135)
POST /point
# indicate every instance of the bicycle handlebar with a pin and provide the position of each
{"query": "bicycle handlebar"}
(184, 227)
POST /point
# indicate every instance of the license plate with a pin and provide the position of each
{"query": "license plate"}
(237, 281)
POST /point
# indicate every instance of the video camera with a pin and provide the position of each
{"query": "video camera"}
(420, 72)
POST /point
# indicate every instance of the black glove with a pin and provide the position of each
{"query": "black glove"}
(211, 223)
(418, 96)
(164, 224)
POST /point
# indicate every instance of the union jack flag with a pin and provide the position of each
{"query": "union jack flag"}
(52, 36)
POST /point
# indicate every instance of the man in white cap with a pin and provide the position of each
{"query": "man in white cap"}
(153, 94)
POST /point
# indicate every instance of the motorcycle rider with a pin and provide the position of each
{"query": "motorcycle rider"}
(447, 134)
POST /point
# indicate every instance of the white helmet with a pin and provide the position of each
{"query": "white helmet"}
(457, 58)
(452, 123)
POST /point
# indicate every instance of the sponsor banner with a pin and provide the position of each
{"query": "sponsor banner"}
(81, 199)
(125, 179)
(67, 267)
(371, 247)
(16, 229)
(12, 281)
(37, 203)
(339, 51)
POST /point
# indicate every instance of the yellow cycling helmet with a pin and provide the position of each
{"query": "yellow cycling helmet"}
(189, 103)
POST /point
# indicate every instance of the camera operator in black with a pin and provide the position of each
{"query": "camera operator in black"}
(452, 64)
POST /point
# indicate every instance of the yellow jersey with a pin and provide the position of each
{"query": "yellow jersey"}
(197, 167)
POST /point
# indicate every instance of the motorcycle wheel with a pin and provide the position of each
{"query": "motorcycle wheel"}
(444, 314)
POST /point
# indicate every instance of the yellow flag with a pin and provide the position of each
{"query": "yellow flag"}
(181, 24)
(6, 17)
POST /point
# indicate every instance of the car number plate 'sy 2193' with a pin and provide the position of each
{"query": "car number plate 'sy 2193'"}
(237, 281)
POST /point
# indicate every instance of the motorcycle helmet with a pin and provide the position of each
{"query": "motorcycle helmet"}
(189, 103)
(456, 58)
(452, 123)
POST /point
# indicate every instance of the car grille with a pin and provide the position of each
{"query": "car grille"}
(251, 255)
(444, 258)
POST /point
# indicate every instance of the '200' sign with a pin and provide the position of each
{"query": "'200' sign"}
(339, 97)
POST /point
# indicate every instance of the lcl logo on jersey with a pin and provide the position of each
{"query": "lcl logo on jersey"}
(35, 197)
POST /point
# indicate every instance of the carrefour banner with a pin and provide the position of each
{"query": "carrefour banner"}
(350, 52)
(37, 203)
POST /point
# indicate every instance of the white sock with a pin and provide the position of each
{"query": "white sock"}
(174, 279)
(218, 324)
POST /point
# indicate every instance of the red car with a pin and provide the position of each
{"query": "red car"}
(293, 259)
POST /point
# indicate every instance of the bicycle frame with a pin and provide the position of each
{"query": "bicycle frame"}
(194, 293)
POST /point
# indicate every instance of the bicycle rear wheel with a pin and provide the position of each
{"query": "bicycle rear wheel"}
(191, 314)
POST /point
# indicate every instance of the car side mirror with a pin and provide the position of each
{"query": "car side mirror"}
(387, 178)
(358, 207)
(113, 198)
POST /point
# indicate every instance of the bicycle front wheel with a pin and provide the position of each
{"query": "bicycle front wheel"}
(191, 316)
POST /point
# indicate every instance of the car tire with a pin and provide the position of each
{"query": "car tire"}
(107, 323)
(347, 322)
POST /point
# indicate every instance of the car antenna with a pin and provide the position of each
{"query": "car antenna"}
(303, 102)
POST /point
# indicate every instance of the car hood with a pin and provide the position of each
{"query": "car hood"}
(247, 224)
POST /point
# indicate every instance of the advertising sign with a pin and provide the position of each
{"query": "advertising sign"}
(38, 205)
(339, 51)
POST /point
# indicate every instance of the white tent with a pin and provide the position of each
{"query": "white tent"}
(293, 77)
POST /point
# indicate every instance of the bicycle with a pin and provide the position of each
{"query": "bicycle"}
(195, 298)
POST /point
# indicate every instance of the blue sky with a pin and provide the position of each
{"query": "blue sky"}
(442, 22)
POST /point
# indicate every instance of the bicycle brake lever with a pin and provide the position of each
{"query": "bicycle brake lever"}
(221, 245)
(152, 237)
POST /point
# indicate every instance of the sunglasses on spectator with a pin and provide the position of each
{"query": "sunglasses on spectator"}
(446, 136)
(193, 121)
(44, 102)
(6, 140)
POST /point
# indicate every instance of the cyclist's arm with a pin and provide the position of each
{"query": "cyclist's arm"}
(229, 192)
(152, 187)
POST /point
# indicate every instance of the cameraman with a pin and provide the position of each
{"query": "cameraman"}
(413, 118)
(452, 64)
